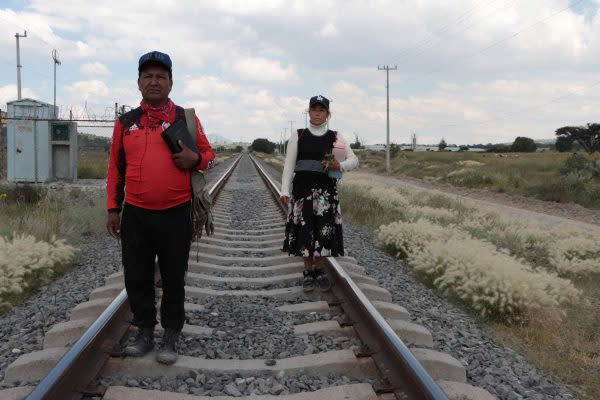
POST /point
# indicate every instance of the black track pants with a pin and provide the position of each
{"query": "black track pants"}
(144, 235)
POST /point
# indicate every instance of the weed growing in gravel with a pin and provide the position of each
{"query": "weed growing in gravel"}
(26, 264)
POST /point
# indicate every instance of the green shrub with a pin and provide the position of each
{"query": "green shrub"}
(470, 178)
(576, 164)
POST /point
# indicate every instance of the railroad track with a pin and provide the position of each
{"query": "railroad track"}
(250, 328)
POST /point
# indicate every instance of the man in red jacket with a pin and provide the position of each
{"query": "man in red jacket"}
(152, 187)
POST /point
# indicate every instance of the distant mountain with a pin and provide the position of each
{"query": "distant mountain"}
(545, 141)
(218, 139)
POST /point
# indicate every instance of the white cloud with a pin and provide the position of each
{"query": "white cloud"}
(209, 86)
(261, 99)
(9, 93)
(328, 30)
(94, 69)
(91, 89)
(262, 70)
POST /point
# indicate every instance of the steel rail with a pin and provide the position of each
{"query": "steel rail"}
(82, 362)
(407, 378)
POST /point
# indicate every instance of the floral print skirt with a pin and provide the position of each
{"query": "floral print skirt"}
(314, 222)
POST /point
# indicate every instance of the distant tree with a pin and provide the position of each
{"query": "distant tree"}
(442, 145)
(587, 136)
(523, 144)
(394, 149)
(498, 148)
(238, 149)
(356, 145)
(263, 145)
(463, 148)
(563, 144)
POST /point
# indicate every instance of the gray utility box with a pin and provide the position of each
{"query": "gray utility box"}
(40, 148)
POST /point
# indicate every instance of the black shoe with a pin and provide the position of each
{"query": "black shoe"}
(167, 354)
(143, 343)
(323, 281)
(308, 283)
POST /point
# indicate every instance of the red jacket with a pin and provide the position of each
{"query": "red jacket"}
(140, 167)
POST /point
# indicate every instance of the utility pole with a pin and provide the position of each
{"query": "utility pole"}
(56, 62)
(284, 144)
(17, 36)
(305, 119)
(387, 69)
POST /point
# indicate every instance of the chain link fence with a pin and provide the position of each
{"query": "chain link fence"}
(94, 137)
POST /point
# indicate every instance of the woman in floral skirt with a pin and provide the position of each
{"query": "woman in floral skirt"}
(314, 225)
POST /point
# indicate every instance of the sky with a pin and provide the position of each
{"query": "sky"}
(469, 71)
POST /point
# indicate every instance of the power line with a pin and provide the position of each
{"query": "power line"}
(438, 32)
(507, 38)
(466, 28)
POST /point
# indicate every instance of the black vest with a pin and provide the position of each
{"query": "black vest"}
(311, 147)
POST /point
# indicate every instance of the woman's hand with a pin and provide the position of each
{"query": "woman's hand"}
(334, 166)
(285, 200)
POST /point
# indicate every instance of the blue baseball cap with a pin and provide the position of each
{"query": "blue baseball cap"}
(155, 57)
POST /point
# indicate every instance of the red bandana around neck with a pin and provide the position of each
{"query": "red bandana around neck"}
(157, 115)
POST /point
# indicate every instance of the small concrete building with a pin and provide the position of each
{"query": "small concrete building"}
(40, 148)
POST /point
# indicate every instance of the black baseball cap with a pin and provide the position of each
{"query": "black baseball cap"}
(322, 100)
(155, 57)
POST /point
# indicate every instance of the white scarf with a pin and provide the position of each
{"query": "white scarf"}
(318, 130)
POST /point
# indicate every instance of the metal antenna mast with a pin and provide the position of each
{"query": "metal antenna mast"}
(56, 62)
(387, 69)
(17, 36)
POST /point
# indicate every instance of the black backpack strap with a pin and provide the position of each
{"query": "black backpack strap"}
(179, 113)
(130, 118)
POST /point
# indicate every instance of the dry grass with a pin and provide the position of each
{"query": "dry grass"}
(566, 343)
(31, 210)
(530, 174)
(92, 163)
(569, 350)
(27, 210)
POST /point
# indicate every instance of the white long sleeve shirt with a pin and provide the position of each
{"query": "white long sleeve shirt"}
(349, 164)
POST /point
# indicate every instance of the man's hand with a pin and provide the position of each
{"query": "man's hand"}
(285, 200)
(186, 158)
(113, 224)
